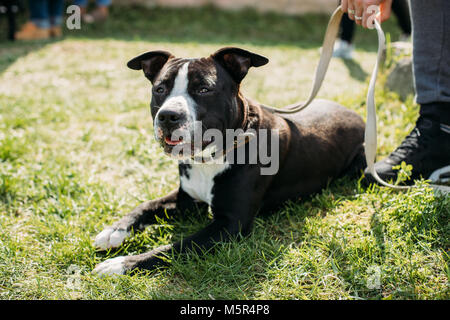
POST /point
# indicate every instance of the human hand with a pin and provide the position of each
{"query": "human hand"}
(360, 11)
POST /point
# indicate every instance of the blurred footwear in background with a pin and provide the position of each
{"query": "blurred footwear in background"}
(46, 18)
(405, 37)
(99, 14)
(55, 32)
(30, 31)
(343, 49)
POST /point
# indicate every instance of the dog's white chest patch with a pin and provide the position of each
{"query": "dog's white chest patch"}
(199, 181)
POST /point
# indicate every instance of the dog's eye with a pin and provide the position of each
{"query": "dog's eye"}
(160, 90)
(203, 90)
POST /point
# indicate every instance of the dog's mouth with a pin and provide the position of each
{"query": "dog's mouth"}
(168, 140)
(191, 146)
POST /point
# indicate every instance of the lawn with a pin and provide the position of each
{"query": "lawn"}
(77, 152)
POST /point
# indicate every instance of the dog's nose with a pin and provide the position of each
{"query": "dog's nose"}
(170, 117)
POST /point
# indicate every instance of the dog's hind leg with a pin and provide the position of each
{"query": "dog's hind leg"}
(176, 202)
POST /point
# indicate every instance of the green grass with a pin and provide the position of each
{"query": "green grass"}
(77, 152)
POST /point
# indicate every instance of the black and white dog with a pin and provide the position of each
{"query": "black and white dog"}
(323, 142)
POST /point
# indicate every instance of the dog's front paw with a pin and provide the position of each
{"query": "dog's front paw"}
(111, 266)
(110, 238)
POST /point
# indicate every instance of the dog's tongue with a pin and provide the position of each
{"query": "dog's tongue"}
(172, 142)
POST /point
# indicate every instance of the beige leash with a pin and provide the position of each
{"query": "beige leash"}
(325, 58)
(370, 136)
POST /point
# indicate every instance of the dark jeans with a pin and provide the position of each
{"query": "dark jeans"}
(431, 57)
(400, 9)
(84, 3)
(46, 13)
(431, 50)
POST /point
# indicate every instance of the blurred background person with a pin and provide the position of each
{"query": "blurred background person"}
(45, 21)
(100, 13)
(344, 45)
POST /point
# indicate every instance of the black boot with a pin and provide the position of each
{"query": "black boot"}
(426, 148)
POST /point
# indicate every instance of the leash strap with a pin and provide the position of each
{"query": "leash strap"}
(325, 58)
(370, 134)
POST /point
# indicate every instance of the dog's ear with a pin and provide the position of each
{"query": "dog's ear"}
(151, 62)
(237, 61)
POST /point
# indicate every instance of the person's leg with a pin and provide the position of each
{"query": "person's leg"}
(55, 9)
(431, 55)
(102, 10)
(39, 13)
(99, 14)
(343, 47)
(427, 147)
(83, 9)
(431, 60)
(402, 12)
(103, 3)
(81, 3)
(38, 27)
(347, 29)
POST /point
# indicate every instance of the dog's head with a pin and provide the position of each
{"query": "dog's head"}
(195, 94)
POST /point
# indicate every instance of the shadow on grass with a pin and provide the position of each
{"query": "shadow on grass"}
(355, 69)
(207, 25)
(211, 25)
(11, 51)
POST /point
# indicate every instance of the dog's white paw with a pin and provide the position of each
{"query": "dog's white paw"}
(110, 238)
(111, 266)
